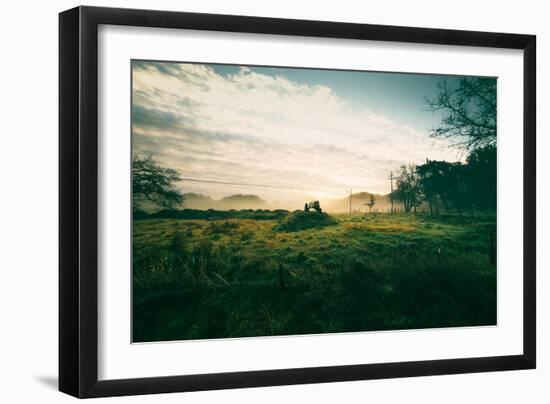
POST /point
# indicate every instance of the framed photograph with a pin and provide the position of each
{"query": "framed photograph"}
(251, 201)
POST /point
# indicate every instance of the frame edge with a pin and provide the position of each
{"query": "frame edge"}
(78, 289)
(69, 79)
(529, 201)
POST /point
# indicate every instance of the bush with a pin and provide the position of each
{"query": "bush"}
(301, 220)
(221, 227)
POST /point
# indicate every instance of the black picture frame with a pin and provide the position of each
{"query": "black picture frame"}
(78, 201)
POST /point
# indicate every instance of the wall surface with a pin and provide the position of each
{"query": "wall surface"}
(28, 205)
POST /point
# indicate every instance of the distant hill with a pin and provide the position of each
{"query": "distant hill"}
(250, 201)
(198, 201)
(240, 201)
(237, 202)
(358, 203)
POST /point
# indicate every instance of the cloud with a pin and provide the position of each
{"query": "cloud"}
(256, 128)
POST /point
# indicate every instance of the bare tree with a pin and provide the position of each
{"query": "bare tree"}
(154, 184)
(408, 188)
(371, 203)
(469, 112)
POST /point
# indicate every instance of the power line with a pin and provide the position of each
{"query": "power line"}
(252, 185)
(228, 183)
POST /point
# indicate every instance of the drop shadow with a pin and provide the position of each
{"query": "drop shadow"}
(48, 381)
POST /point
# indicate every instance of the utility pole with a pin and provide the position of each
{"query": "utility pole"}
(350, 201)
(391, 187)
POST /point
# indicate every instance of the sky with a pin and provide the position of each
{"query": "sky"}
(282, 133)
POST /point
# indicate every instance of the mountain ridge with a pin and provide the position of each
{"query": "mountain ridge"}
(251, 201)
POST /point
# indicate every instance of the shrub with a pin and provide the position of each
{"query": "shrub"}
(301, 220)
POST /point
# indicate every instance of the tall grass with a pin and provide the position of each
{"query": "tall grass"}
(201, 279)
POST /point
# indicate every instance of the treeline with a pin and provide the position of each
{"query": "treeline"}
(468, 110)
(453, 187)
(212, 214)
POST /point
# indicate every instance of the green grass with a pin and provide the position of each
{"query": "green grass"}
(235, 277)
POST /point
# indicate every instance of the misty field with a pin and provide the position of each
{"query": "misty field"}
(263, 273)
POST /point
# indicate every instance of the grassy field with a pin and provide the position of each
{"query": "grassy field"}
(235, 277)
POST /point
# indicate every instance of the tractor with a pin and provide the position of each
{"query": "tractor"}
(313, 205)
